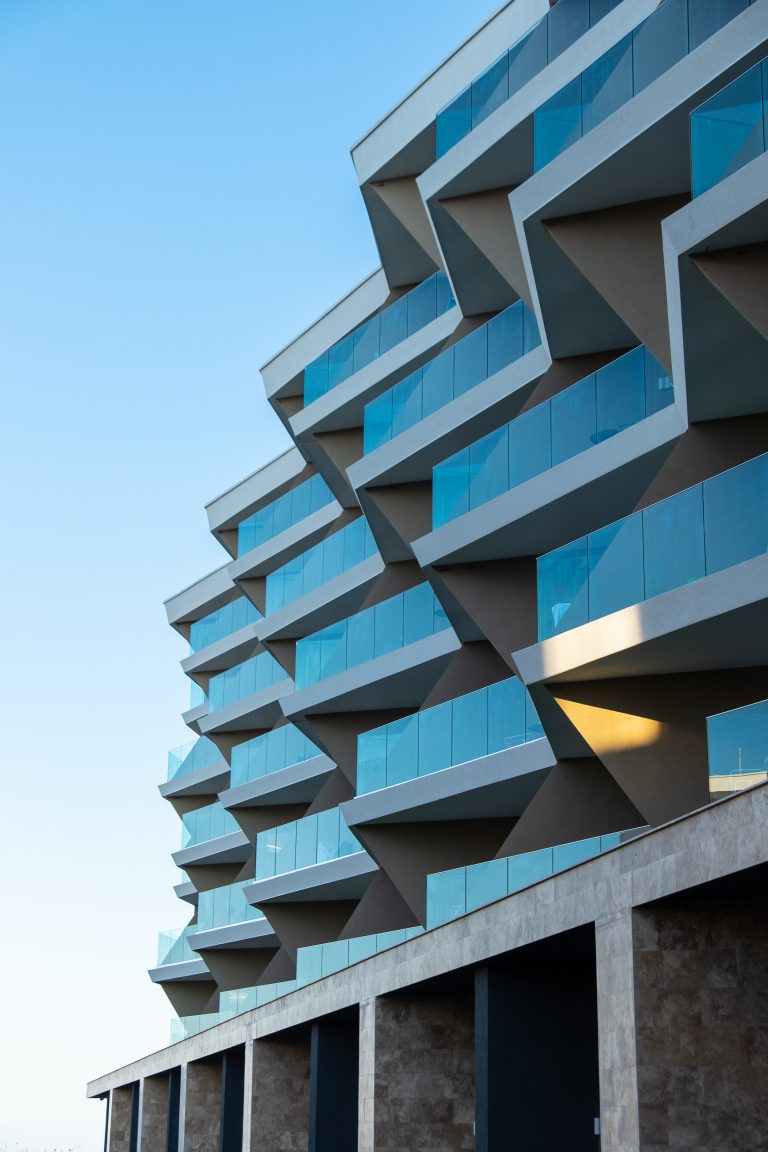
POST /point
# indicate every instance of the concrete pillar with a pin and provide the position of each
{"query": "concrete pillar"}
(536, 1063)
(247, 1095)
(333, 1085)
(366, 1076)
(280, 1101)
(153, 1115)
(701, 987)
(423, 1084)
(123, 1104)
(614, 960)
(202, 1107)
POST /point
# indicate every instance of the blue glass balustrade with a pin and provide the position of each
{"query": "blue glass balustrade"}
(302, 843)
(539, 46)
(283, 513)
(738, 748)
(196, 695)
(206, 824)
(692, 534)
(478, 724)
(466, 364)
(200, 753)
(393, 624)
(254, 675)
(595, 409)
(384, 331)
(173, 946)
(729, 129)
(220, 907)
(335, 555)
(454, 893)
(664, 38)
(231, 618)
(271, 752)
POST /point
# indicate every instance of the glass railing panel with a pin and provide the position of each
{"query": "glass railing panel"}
(201, 753)
(283, 513)
(220, 907)
(173, 946)
(302, 843)
(327, 560)
(650, 50)
(393, 624)
(197, 696)
(493, 346)
(612, 399)
(477, 724)
(563, 25)
(206, 824)
(384, 331)
(693, 534)
(271, 752)
(454, 893)
(730, 129)
(254, 675)
(231, 618)
(738, 748)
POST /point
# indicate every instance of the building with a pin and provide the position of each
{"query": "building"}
(475, 817)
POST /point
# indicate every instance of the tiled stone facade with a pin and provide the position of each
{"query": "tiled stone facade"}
(280, 1106)
(202, 1112)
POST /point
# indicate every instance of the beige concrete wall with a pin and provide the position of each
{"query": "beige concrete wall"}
(280, 1100)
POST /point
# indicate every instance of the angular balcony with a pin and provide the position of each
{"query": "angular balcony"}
(275, 777)
(540, 45)
(386, 656)
(311, 875)
(330, 579)
(211, 835)
(234, 939)
(222, 638)
(246, 697)
(283, 528)
(447, 785)
(195, 769)
(667, 36)
(198, 708)
(181, 973)
(737, 742)
(730, 129)
(563, 462)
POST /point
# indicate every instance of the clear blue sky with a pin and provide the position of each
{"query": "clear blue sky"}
(177, 201)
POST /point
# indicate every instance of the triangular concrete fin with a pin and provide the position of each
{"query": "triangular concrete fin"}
(741, 276)
(237, 967)
(619, 251)
(403, 199)
(381, 909)
(299, 924)
(481, 589)
(486, 218)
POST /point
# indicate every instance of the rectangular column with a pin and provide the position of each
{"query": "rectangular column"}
(366, 1076)
(280, 1102)
(202, 1107)
(614, 964)
(333, 1091)
(123, 1104)
(424, 1083)
(153, 1115)
(701, 982)
(537, 1082)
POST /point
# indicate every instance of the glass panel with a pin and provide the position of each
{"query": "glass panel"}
(505, 337)
(434, 741)
(567, 21)
(528, 56)
(620, 394)
(562, 589)
(674, 542)
(490, 90)
(705, 17)
(489, 468)
(394, 325)
(486, 882)
(728, 130)
(437, 382)
(557, 124)
(454, 122)
(616, 577)
(738, 748)
(607, 84)
(450, 491)
(574, 420)
(736, 515)
(530, 445)
(446, 897)
(282, 513)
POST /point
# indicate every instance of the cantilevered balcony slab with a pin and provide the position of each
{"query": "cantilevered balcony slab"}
(243, 955)
(223, 654)
(226, 511)
(296, 784)
(193, 717)
(714, 251)
(399, 679)
(334, 600)
(201, 598)
(205, 781)
(188, 985)
(284, 546)
(253, 713)
(600, 484)
(186, 891)
(233, 848)
(411, 456)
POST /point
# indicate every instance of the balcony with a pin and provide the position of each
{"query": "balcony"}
(459, 731)
(303, 843)
(461, 890)
(549, 37)
(246, 697)
(276, 770)
(283, 514)
(598, 407)
(336, 555)
(273, 752)
(730, 129)
(737, 742)
(205, 824)
(695, 533)
(380, 334)
(222, 623)
(222, 907)
(197, 768)
(211, 835)
(480, 355)
(667, 36)
(173, 946)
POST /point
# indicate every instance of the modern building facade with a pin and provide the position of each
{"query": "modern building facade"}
(474, 843)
